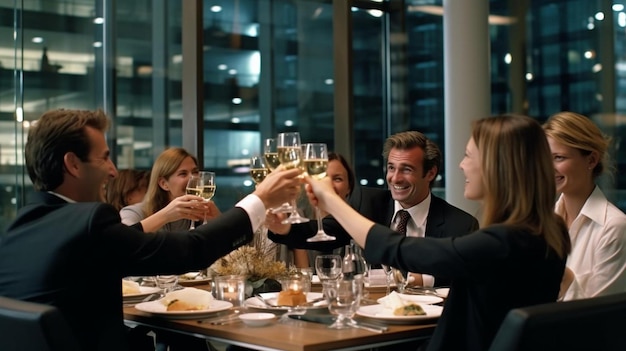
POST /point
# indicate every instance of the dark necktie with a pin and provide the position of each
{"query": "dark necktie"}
(404, 219)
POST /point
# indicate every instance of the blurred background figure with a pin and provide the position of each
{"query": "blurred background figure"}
(128, 188)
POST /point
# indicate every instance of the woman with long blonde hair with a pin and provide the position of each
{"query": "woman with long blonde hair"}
(516, 259)
(166, 207)
(597, 228)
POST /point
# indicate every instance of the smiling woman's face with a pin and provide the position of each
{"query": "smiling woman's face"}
(177, 182)
(339, 176)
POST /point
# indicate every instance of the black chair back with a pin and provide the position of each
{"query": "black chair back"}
(590, 324)
(28, 326)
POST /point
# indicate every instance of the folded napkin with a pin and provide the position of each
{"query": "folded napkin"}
(392, 301)
(130, 287)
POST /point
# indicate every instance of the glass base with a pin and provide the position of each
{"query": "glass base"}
(294, 219)
(321, 236)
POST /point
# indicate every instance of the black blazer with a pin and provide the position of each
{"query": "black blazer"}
(443, 220)
(493, 270)
(74, 256)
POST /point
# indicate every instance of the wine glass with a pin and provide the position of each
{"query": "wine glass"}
(208, 187)
(315, 161)
(270, 153)
(258, 169)
(399, 278)
(328, 268)
(290, 156)
(389, 276)
(167, 282)
(194, 187)
(344, 296)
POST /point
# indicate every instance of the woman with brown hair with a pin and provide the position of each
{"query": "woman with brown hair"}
(165, 206)
(521, 243)
(128, 188)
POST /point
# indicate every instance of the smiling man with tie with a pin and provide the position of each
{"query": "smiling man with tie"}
(412, 164)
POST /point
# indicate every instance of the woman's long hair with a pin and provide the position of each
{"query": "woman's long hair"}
(518, 177)
(165, 165)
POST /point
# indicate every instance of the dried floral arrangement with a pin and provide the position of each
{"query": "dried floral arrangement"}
(257, 264)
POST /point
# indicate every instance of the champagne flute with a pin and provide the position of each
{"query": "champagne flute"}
(315, 161)
(258, 169)
(290, 156)
(194, 187)
(208, 188)
(270, 153)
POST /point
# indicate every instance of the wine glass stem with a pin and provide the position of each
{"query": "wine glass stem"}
(320, 225)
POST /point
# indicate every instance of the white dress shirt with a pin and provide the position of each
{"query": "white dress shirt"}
(416, 226)
(598, 257)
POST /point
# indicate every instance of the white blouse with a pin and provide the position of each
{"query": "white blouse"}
(598, 257)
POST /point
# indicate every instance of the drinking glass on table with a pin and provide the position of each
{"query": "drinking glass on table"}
(328, 269)
(167, 282)
(208, 188)
(290, 155)
(344, 296)
(195, 186)
(388, 276)
(315, 163)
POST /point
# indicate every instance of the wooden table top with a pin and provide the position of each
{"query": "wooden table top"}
(291, 336)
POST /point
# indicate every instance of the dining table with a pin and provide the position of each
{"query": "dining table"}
(290, 335)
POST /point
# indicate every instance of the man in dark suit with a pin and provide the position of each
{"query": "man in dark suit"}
(412, 165)
(70, 250)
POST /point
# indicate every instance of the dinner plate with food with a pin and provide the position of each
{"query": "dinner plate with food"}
(394, 309)
(132, 290)
(187, 303)
(193, 278)
(285, 300)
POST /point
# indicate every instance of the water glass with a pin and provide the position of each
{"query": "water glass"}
(344, 297)
(231, 288)
(166, 282)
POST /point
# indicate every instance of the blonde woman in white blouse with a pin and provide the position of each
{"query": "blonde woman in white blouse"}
(597, 228)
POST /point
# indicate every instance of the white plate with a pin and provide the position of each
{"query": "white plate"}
(158, 308)
(257, 319)
(143, 291)
(419, 299)
(443, 292)
(379, 312)
(254, 302)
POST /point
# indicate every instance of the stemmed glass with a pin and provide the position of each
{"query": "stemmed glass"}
(389, 276)
(344, 297)
(328, 268)
(208, 188)
(290, 156)
(315, 161)
(194, 187)
(399, 278)
(270, 153)
(258, 169)
(167, 282)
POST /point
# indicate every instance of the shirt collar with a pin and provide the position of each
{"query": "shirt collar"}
(594, 208)
(62, 197)
(418, 213)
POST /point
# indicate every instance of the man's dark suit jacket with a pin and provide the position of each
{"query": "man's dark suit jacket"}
(490, 271)
(443, 220)
(74, 256)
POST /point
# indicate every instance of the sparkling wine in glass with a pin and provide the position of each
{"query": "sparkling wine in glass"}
(258, 169)
(290, 156)
(270, 154)
(315, 163)
(194, 187)
(208, 187)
